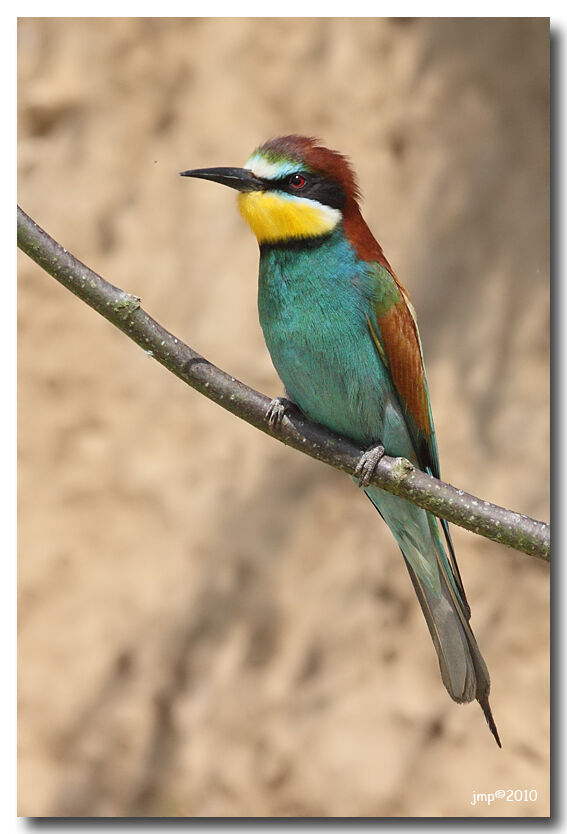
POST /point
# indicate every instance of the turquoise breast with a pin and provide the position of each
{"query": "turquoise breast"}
(313, 303)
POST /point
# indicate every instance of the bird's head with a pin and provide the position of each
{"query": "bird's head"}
(291, 188)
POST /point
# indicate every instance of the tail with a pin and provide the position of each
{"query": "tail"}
(446, 612)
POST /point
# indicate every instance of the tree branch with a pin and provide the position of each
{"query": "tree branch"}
(395, 475)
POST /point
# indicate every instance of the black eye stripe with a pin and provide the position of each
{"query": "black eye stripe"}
(325, 191)
(282, 183)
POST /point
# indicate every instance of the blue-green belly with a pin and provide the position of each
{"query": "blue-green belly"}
(313, 307)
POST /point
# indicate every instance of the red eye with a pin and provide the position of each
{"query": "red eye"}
(297, 181)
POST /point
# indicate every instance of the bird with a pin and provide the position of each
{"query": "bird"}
(343, 337)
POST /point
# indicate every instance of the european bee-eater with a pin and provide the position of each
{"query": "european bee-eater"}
(343, 338)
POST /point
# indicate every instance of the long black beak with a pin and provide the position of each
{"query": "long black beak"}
(239, 178)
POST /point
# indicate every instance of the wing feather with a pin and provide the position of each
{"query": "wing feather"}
(397, 340)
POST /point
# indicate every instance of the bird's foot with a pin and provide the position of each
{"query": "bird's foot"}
(276, 411)
(368, 462)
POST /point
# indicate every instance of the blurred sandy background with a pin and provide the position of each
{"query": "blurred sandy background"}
(210, 623)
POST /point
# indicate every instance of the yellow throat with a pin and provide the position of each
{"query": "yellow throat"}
(273, 216)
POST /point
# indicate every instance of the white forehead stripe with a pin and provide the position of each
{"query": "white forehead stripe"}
(262, 167)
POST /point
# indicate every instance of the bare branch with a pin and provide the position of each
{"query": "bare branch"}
(395, 475)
